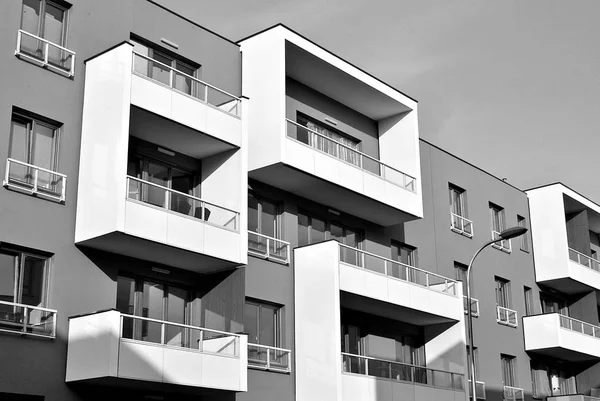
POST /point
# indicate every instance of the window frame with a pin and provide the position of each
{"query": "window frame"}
(412, 253)
(31, 120)
(503, 292)
(528, 298)
(508, 361)
(522, 222)
(259, 210)
(41, 25)
(19, 264)
(461, 196)
(278, 326)
(360, 233)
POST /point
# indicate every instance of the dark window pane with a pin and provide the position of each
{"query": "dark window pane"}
(252, 214)
(251, 322)
(302, 229)
(7, 278)
(268, 219)
(267, 326)
(317, 231)
(33, 280)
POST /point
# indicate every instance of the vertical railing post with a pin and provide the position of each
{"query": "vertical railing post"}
(166, 199)
(385, 267)
(63, 189)
(268, 248)
(268, 358)
(46, 48)
(25, 318)
(206, 93)
(427, 282)
(19, 37)
(390, 370)
(7, 171)
(35, 179)
(171, 80)
(201, 341)
(162, 333)
(366, 365)
(362, 261)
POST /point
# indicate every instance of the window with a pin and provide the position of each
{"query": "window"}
(157, 64)
(48, 20)
(528, 301)
(263, 323)
(407, 255)
(263, 216)
(521, 222)
(553, 304)
(458, 211)
(498, 224)
(155, 300)
(476, 356)
(34, 141)
(328, 140)
(167, 176)
(24, 281)
(509, 377)
(551, 381)
(504, 314)
(312, 230)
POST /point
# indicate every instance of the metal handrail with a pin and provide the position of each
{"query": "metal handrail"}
(267, 254)
(169, 190)
(595, 329)
(506, 321)
(26, 313)
(591, 260)
(473, 301)
(590, 398)
(462, 220)
(452, 374)
(165, 323)
(267, 363)
(481, 385)
(513, 391)
(47, 44)
(408, 267)
(36, 169)
(496, 235)
(199, 81)
(363, 155)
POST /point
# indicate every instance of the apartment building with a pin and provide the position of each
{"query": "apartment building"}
(189, 218)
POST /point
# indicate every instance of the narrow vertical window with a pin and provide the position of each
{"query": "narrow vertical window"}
(458, 211)
(509, 377)
(522, 222)
(497, 225)
(528, 292)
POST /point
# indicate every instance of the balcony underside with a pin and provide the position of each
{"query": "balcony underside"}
(325, 192)
(132, 246)
(391, 311)
(567, 285)
(564, 354)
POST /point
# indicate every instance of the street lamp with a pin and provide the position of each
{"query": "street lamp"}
(504, 235)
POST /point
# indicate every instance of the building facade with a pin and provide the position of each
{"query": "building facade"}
(189, 218)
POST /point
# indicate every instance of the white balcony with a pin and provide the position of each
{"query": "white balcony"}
(44, 53)
(109, 345)
(264, 357)
(503, 245)
(479, 389)
(263, 246)
(506, 316)
(562, 337)
(185, 99)
(124, 215)
(27, 320)
(34, 180)
(373, 276)
(513, 393)
(366, 378)
(557, 264)
(474, 306)
(381, 185)
(461, 225)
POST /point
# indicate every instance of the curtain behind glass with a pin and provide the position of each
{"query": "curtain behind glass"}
(331, 147)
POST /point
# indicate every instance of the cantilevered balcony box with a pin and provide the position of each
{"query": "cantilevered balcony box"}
(562, 337)
(122, 101)
(290, 80)
(116, 349)
(563, 226)
(328, 277)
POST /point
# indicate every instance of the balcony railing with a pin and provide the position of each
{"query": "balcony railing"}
(579, 326)
(505, 316)
(349, 155)
(474, 306)
(269, 358)
(513, 394)
(590, 398)
(503, 245)
(35, 180)
(181, 203)
(268, 247)
(396, 270)
(45, 53)
(381, 368)
(479, 389)
(461, 225)
(191, 86)
(584, 260)
(160, 332)
(27, 320)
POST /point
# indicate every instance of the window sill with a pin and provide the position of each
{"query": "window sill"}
(461, 233)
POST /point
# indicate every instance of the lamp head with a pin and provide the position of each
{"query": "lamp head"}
(512, 232)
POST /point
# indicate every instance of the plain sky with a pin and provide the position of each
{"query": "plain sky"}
(512, 86)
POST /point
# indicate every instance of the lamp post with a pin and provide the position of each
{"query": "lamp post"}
(507, 234)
